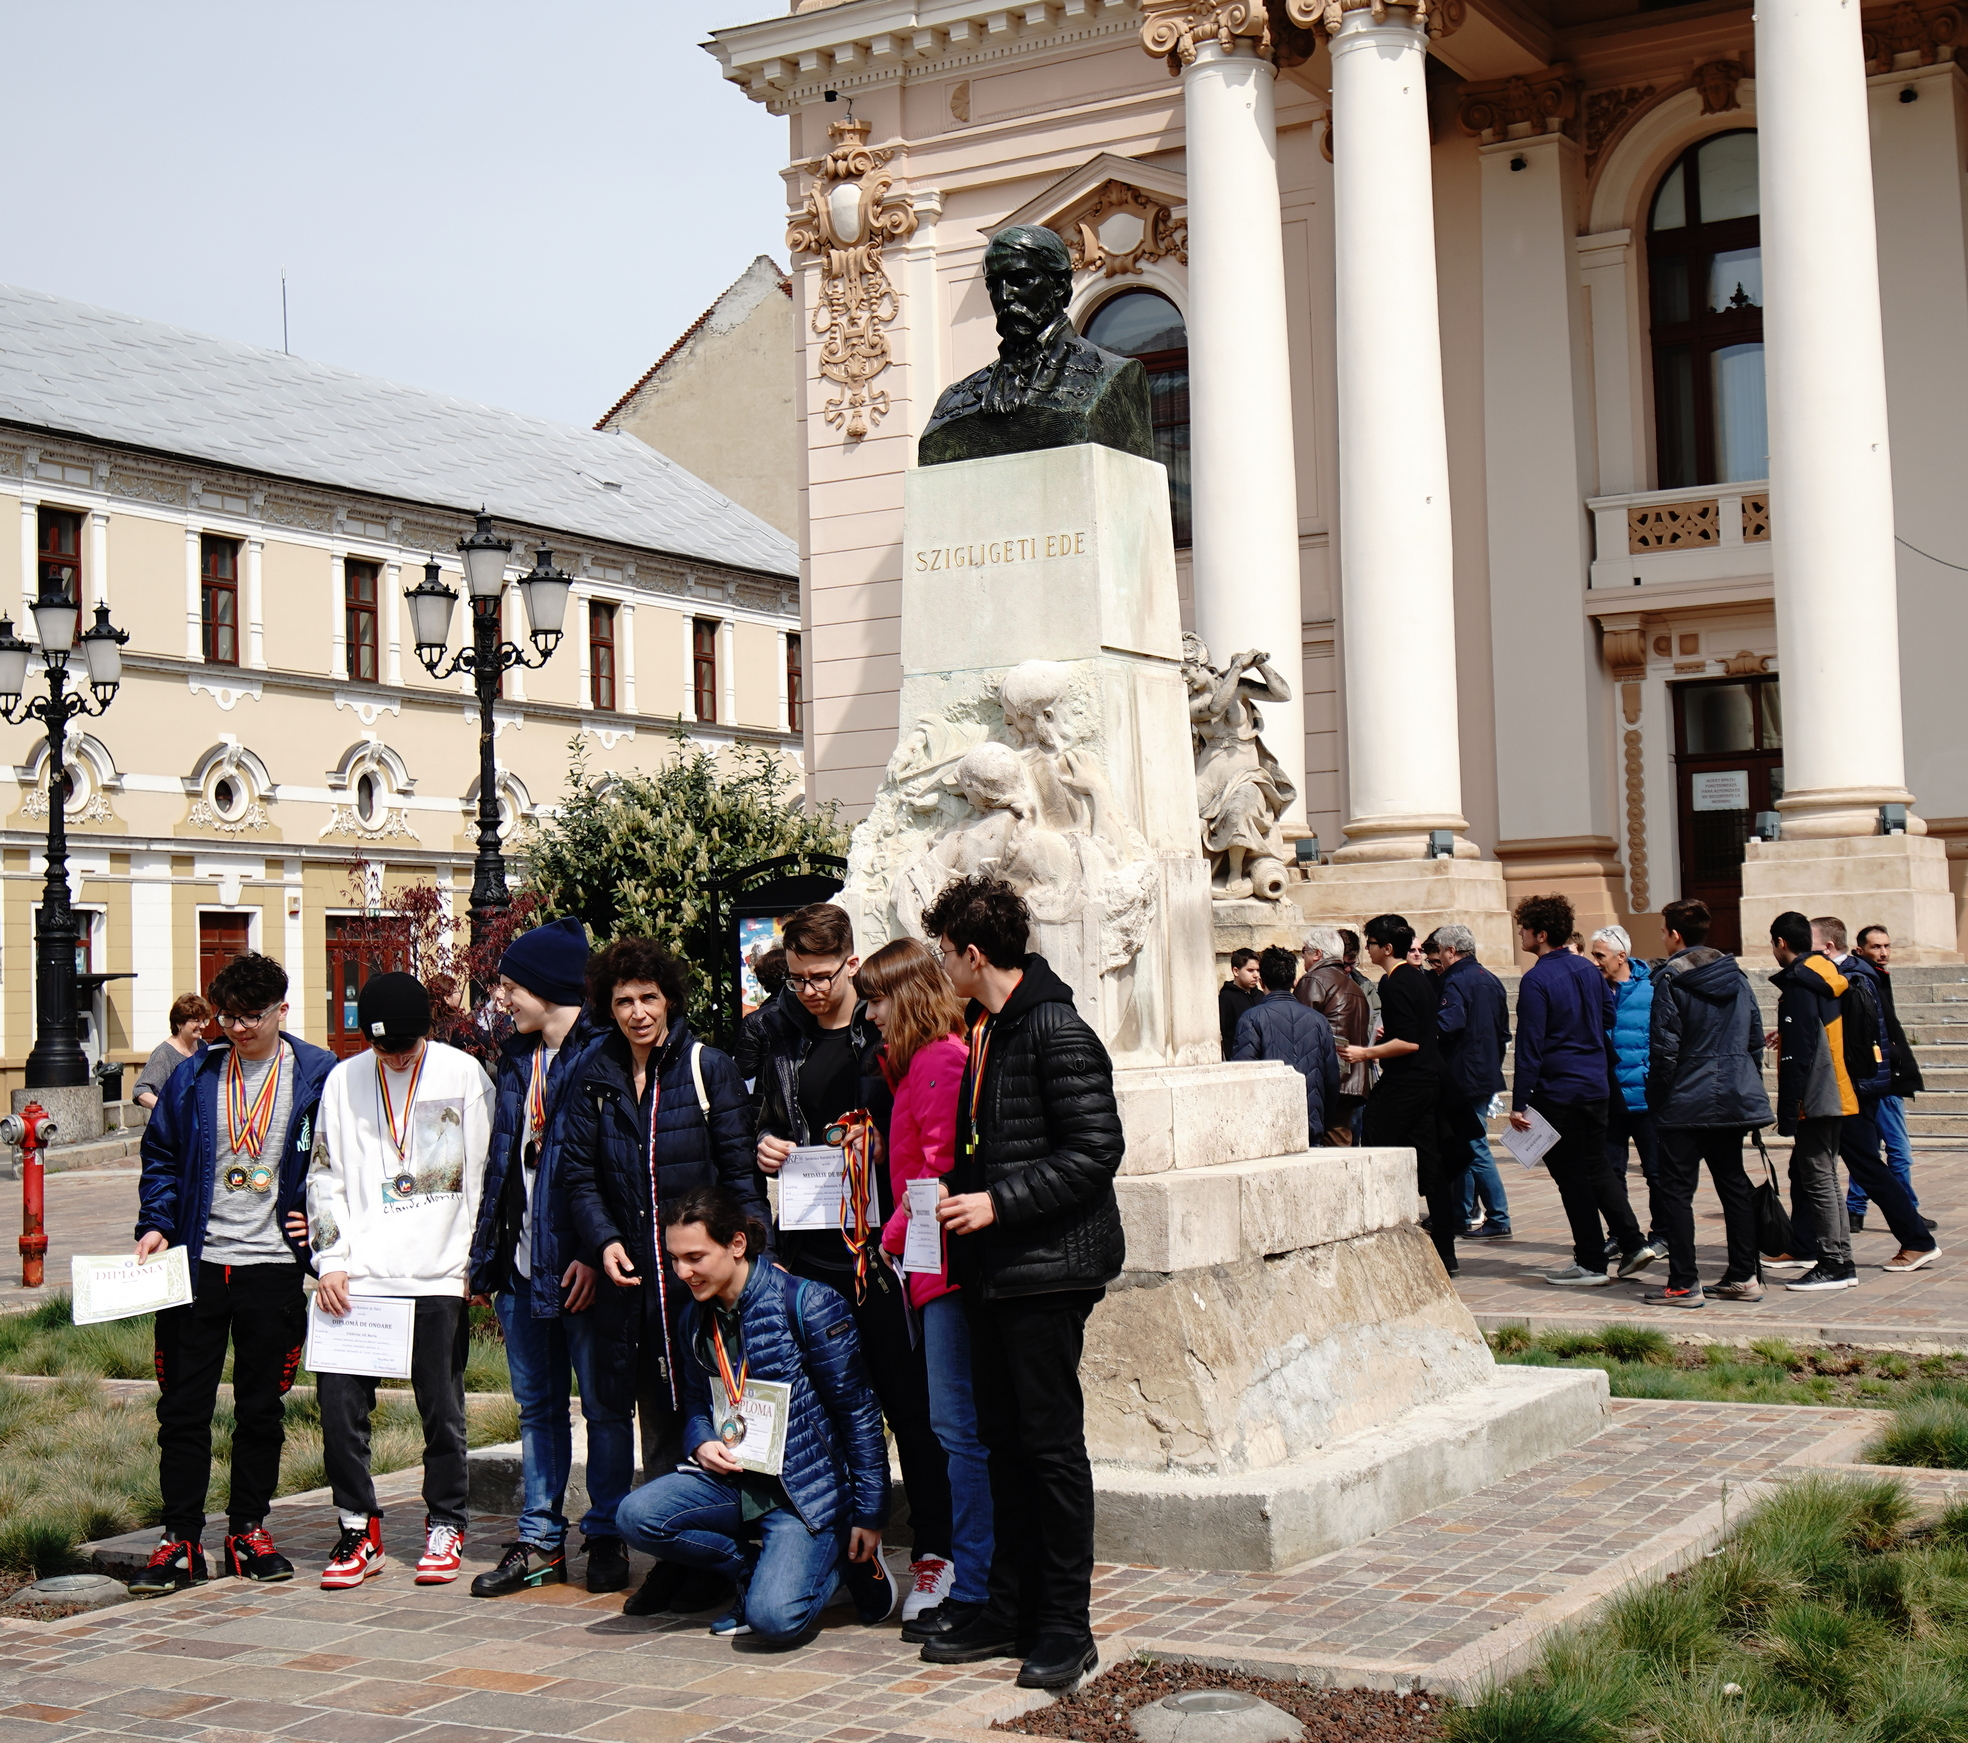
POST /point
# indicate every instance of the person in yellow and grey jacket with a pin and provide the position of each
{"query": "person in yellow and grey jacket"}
(1814, 1098)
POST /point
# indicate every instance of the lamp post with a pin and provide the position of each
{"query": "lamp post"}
(545, 589)
(58, 1061)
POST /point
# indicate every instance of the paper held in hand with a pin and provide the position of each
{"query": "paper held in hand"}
(761, 1446)
(1529, 1147)
(372, 1339)
(106, 1286)
(922, 1250)
(810, 1187)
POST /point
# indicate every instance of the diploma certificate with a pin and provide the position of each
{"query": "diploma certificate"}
(922, 1249)
(372, 1339)
(116, 1286)
(810, 1183)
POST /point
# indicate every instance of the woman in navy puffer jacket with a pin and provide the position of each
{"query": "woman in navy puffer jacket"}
(1633, 1009)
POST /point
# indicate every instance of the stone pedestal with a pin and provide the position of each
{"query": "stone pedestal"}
(1896, 881)
(1429, 892)
(1252, 925)
(77, 1110)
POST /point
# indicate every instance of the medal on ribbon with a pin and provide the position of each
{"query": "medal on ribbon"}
(246, 1128)
(732, 1429)
(399, 1130)
(856, 1137)
(235, 1178)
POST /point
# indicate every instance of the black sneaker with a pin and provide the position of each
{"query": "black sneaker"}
(174, 1565)
(1930, 1222)
(875, 1593)
(1489, 1231)
(1058, 1661)
(523, 1567)
(983, 1636)
(940, 1619)
(658, 1587)
(250, 1555)
(1825, 1275)
(608, 1564)
(1855, 1223)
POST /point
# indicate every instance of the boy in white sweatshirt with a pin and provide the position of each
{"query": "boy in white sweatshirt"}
(393, 1190)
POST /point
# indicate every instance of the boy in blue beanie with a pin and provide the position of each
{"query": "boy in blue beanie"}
(525, 1259)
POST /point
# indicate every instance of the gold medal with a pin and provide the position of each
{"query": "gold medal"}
(260, 1178)
(235, 1178)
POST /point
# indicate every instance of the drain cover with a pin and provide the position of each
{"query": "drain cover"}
(1210, 1701)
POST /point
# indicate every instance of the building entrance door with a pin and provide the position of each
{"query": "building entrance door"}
(222, 938)
(1728, 755)
(357, 948)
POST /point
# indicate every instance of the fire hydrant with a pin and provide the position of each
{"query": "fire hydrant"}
(33, 1131)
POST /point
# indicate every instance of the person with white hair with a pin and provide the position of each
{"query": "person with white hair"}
(1327, 987)
(1474, 1020)
(1627, 1117)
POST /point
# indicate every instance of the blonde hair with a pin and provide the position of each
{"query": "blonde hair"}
(923, 1005)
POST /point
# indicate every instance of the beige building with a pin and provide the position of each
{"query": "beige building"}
(253, 519)
(1455, 317)
(719, 401)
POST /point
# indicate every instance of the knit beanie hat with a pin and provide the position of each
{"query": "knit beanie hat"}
(393, 1010)
(550, 962)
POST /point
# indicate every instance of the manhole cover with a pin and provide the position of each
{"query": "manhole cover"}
(68, 1585)
(1210, 1701)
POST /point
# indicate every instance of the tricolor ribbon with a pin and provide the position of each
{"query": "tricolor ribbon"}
(857, 1163)
(399, 1130)
(247, 1131)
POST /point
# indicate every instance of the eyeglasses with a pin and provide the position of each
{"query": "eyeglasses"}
(244, 1019)
(944, 951)
(817, 983)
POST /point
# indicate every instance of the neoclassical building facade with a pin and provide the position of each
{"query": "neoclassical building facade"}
(252, 520)
(1565, 391)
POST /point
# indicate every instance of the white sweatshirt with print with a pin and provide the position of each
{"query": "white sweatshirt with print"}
(400, 1224)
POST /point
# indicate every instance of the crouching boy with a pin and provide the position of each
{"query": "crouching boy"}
(393, 1190)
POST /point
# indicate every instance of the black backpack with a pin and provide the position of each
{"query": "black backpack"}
(1866, 1063)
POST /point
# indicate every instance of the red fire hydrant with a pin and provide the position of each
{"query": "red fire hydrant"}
(33, 1131)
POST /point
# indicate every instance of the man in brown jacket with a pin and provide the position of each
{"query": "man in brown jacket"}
(1328, 989)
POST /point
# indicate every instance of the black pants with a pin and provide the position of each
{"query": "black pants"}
(659, 1421)
(1623, 1123)
(1588, 1187)
(1031, 1417)
(1858, 1149)
(1403, 1112)
(1683, 1149)
(262, 1310)
(900, 1376)
(437, 1379)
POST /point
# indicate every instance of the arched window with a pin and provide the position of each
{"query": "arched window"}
(1705, 258)
(1145, 324)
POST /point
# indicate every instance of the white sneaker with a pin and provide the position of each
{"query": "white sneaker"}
(930, 1580)
(1578, 1277)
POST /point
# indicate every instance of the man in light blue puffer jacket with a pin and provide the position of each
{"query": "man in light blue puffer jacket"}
(1633, 1006)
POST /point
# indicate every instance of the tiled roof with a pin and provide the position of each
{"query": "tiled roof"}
(116, 378)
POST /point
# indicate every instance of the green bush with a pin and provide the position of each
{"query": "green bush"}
(1635, 1343)
(1928, 1431)
(1511, 1338)
(1778, 1352)
(1570, 1343)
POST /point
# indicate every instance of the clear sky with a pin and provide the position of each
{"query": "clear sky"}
(519, 203)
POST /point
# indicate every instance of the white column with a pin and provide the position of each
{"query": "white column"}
(255, 617)
(337, 614)
(194, 612)
(1397, 587)
(513, 616)
(625, 652)
(1244, 490)
(30, 525)
(1831, 471)
(727, 674)
(689, 709)
(922, 312)
(98, 564)
(392, 609)
(577, 612)
(154, 989)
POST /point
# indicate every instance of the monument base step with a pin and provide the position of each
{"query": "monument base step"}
(1268, 1521)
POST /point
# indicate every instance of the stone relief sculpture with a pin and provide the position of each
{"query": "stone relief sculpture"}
(1241, 792)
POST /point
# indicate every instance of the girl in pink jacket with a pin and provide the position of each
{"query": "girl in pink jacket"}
(911, 1001)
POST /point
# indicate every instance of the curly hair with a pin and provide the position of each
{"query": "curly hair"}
(923, 1005)
(632, 959)
(986, 912)
(1277, 968)
(189, 1009)
(1551, 915)
(248, 983)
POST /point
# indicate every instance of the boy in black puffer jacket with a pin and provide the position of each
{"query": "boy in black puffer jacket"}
(1036, 1239)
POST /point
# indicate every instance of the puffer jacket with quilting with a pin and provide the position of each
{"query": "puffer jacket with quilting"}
(1812, 1082)
(1048, 1146)
(1282, 1028)
(1632, 1031)
(835, 1462)
(1705, 1044)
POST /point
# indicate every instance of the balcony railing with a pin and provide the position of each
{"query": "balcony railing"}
(1720, 533)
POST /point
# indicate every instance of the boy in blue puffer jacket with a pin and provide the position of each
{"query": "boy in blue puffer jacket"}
(790, 1486)
(1629, 1028)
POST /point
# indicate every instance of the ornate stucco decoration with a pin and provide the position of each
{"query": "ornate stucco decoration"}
(1744, 664)
(1276, 30)
(851, 213)
(1908, 35)
(1607, 113)
(1623, 645)
(1520, 107)
(1119, 229)
(1717, 82)
(1438, 17)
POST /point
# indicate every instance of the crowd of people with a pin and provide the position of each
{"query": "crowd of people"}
(1614, 1055)
(606, 1192)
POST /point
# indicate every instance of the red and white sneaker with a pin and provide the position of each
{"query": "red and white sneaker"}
(929, 1585)
(358, 1556)
(443, 1554)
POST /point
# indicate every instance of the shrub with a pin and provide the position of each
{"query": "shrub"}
(1635, 1343)
(1511, 1338)
(1893, 1365)
(1570, 1343)
(1932, 1432)
(1776, 1351)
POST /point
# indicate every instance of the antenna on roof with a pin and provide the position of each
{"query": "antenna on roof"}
(283, 311)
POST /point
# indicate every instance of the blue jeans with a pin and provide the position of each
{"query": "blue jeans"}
(1889, 1115)
(953, 1414)
(694, 1518)
(1482, 1181)
(541, 1353)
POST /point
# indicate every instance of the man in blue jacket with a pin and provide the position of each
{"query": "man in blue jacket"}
(1563, 1071)
(1630, 1030)
(527, 1260)
(1475, 1025)
(1279, 1027)
(225, 1160)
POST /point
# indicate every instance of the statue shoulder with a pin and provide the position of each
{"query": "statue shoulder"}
(961, 396)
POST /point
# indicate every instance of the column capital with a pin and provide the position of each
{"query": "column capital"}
(1269, 29)
(1431, 17)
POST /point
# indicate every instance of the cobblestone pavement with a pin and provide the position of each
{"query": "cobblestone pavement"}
(1923, 1310)
(88, 1211)
(1442, 1599)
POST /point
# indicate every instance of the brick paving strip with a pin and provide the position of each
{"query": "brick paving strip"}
(1444, 1601)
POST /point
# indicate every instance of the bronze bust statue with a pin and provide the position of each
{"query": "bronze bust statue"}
(1049, 388)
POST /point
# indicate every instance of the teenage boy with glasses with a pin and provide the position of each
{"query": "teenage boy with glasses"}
(225, 1161)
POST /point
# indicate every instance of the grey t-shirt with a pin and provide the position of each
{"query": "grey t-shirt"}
(164, 1059)
(242, 1229)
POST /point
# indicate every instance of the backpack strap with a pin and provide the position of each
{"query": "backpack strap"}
(697, 1077)
(789, 1289)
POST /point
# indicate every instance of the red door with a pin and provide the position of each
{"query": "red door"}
(355, 952)
(222, 938)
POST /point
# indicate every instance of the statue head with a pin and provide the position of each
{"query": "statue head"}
(1033, 695)
(1030, 277)
(1195, 659)
(992, 778)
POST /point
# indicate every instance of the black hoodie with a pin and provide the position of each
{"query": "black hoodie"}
(1047, 1144)
(1705, 1044)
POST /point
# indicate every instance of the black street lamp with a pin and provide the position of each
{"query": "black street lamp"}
(545, 590)
(58, 1061)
